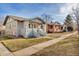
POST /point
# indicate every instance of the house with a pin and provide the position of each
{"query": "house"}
(2, 29)
(54, 27)
(19, 26)
(69, 28)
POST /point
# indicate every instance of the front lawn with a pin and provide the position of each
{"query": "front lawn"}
(20, 43)
(66, 47)
(17, 44)
(4, 37)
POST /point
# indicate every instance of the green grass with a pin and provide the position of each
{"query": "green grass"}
(17, 44)
(66, 47)
(5, 37)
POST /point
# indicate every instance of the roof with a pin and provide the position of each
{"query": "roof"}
(54, 23)
(38, 19)
(14, 18)
(57, 23)
(21, 19)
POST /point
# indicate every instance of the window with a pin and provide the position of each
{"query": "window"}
(34, 26)
(29, 26)
(41, 26)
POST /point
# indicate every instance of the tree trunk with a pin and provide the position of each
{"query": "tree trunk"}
(78, 26)
(78, 29)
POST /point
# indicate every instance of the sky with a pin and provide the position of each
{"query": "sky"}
(58, 11)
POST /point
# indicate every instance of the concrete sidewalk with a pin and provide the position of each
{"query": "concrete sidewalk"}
(4, 51)
(35, 48)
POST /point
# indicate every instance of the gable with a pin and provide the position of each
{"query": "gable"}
(13, 18)
(7, 20)
(38, 20)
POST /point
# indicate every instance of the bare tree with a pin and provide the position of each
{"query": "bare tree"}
(47, 17)
(76, 16)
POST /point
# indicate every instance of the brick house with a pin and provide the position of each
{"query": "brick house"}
(54, 27)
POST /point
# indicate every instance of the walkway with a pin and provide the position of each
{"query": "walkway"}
(4, 51)
(35, 48)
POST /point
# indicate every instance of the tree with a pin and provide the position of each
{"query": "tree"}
(69, 24)
(46, 17)
(75, 15)
(69, 21)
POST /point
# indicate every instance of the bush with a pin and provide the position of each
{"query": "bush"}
(41, 32)
(33, 34)
(36, 33)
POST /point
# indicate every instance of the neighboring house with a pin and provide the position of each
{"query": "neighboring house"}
(19, 26)
(69, 27)
(54, 27)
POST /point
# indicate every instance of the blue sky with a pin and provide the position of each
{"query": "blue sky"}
(58, 11)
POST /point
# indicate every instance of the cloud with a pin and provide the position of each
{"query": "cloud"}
(58, 11)
(67, 8)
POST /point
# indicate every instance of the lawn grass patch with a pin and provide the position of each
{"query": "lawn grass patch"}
(67, 47)
(5, 37)
(56, 35)
(20, 43)
(17, 44)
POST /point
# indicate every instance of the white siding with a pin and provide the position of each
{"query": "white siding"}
(14, 27)
(26, 28)
(20, 28)
(11, 27)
